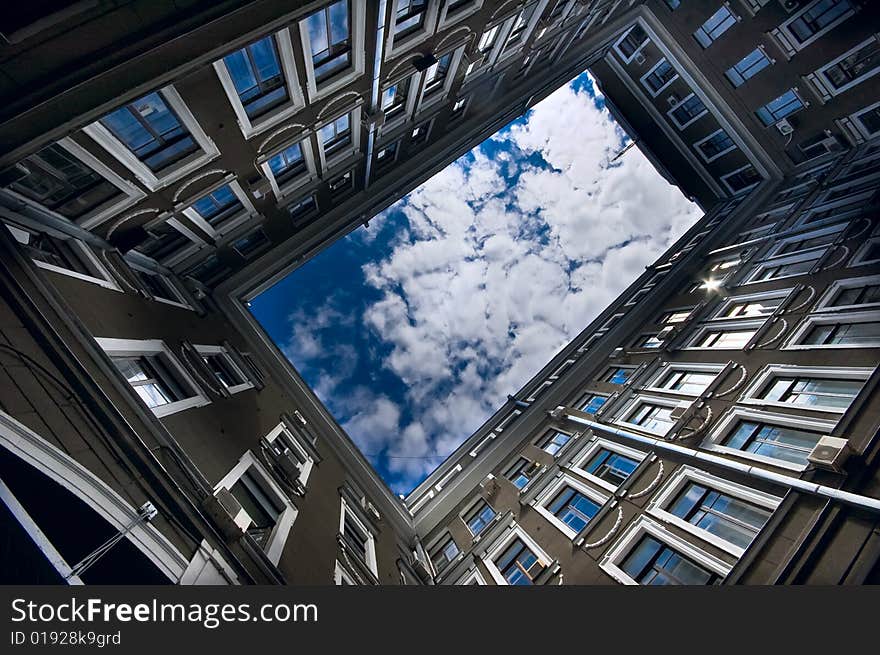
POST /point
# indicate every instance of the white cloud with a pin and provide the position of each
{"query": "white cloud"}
(490, 280)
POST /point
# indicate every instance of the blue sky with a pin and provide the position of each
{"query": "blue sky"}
(414, 330)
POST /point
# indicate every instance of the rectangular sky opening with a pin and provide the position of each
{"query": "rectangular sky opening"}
(414, 331)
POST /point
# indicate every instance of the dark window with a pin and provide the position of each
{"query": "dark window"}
(435, 76)
(817, 18)
(256, 73)
(217, 206)
(729, 518)
(747, 67)
(660, 76)
(443, 552)
(573, 508)
(287, 164)
(410, 17)
(654, 563)
(778, 108)
(633, 40)
(330, 40)
(518, 472)
(858, 64)
(787, 444)
(861, 295)
(844, 334)
(553, 441)
(518, 564)
(479, 517)
(688, 110)
(262, 506)
(611, 467)
(153, 378)
(152, 131)
(716, 145)
(812, 392)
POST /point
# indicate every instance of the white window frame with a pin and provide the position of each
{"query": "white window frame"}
(506, 51)
(309, 464)
(728, 421)
(644, 525)
(406, 114)
(82, 251)
(220, 350)
(735, 325)
(294, 184)
(370, 542)
(345, 154)
(824, 303)
(856, 202)
(275, 544)
(730, 301)
(772, 371)
(854, 122)
(243, 216)
(131, 193)
(801, 236)
(730, 188)
(717, 155)
(497, 548)
(616, 46)
(357, 27)
(789, 42)
(549, 494)
(446, 20)
(127, 158)
(682, 126)
(680, 367)
(409, 41)
(140, 347)
(295, 100)
(580, 461)
(424, 102)
(652, 92)
(859, 258)
(471, 576)
(686, 474)
(181, 298)
(830, 318)
(341, 576)
(635, 403)
(758, 269)
(823, 83)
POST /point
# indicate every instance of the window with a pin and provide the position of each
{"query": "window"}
(258, 78)
(648, 341)
(716, 25)
(420, 133)
(160, 287)
(747, 67)
(218, 206)
(478, 517)
(357, 538)
(652, 562)
(520, 472)
(742, 179)
(684, 381)
(335, 136)
(152, 131)
(168, 241)
(443, 552)
(487, 40)
(864, 333)
(650, 417)
(437, 73)
(409, 17)
(342, 184)
(251, 243)
(818, 388)
(649, 554)
(659, 77)
(302, 209)
(553, 441)
(265, 513)
(609, 464)
(458, 108)
(787, 267)
(56, 179)
(687, 111)
(713, 146)
(778, 108)
(287, 163)
(573, 508)
(812, 21)
(155, 375)
(675, 317)
(520, 25)
(66, 256)
(723, 513)
(631, 43)
(394, 98)
(225, 371)
(518, 564)
(749, 308)
(286, 446)
(852, 292)
(807, 241)
(852, 68)
(387, 155)
(867, 121)
(774, 442)
(724, 339)
(617, 375)
(591, 403)
(868, 253)
(329, 38)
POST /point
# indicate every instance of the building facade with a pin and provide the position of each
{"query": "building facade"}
(716, 424)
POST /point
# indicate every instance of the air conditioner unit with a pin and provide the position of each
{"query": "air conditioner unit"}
(679, 410)
(790, 5)
(638, 58)
(830, 453)
(785, 127)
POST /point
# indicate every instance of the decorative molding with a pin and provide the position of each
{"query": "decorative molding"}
(742, 379)
(200, 176)
(276, 132)
(653, 484)
(338, 100)
(614, 528)
(128, 217)
(777, 337)
(809, 299)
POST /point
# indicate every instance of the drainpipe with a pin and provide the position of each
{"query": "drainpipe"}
(374, 92)
(699, 457)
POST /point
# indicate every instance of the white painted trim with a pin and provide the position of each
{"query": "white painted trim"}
(306, 468)
(859, 258)
(357, 26)
(137, 347)
(446, 20)
(686, 474)
(728, 421)
(294, 184)
(736, 325)
(247, 212)
(341, 576)
(295, 96)
(633, 405)
(549, 494)
(772, 371)
(717, 155)
(371, 562)
(793, 342)
(106, 140)
(824, 303)
(82, 483)
(754, 273)
(495, 550)
(685, 367)
(644, 525)
(580, 460)
(616, 46)
(345, 154)
(220, 350)
(424, 102)
(275, 545)
(411, 40)
(471, 577)
(656, 92)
